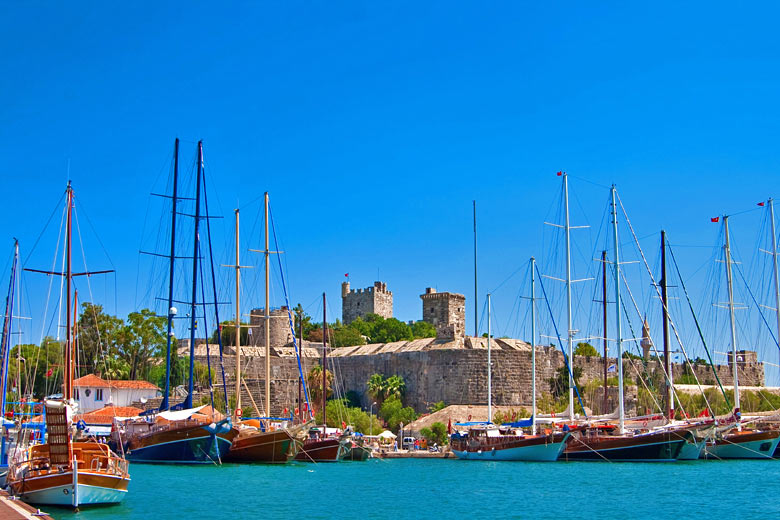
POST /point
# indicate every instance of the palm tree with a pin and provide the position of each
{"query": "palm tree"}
(376, 387)
(314, 383)
(395, 387)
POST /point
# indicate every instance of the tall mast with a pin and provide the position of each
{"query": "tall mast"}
(533, 346)
(72, 368)
(729, 279)
(238, 323)
(604, 324)
(267, 319)
(668, 396)
(618, 323)
(193, 305)
(774, 264)
(5, 347)
(165, 404)
(476, 318)
(489, 367)
(68, 280)
(569, 331)
(300, 382)
(324, 362)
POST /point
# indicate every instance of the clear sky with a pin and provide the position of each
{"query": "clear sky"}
(374, 126)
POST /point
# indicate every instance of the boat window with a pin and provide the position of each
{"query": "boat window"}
(765, 446)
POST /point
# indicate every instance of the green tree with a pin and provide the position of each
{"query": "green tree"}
(228, 329)
(339, 413)
(390, 330)
(395, 386)
(97, 334)
(143, 337)
(376, 387)
(435, 407)
(423, 329)
(41, 370)
(346, 337)
(394, 413)
(585, 349)
(559, 385)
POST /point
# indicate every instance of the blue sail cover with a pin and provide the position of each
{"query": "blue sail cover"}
(520, 424)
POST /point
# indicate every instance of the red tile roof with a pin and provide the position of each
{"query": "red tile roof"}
(107, 414)
(96, 382)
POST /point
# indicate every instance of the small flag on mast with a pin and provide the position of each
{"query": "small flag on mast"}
(715, 219)
(760, 203)
(559, 173)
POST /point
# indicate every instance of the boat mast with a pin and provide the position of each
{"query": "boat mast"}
(193, 305)
(68, 280)
(476, 297)
(604, 325)
(669, 395)
(165, 404)
(729, 279)
(618, 323)
(6, 342)
(489, 367)
(533, 346)
(569, 331)
(267, 319)
(774, 262)
(238, 324)
(324, 363)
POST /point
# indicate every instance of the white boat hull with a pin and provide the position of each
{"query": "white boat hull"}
(63, 496)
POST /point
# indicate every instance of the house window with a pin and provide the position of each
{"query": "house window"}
(77, 393)
(99, 394)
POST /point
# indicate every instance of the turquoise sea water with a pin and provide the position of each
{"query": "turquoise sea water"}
(419, 488)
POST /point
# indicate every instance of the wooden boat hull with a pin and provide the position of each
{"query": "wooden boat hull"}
(325, 450)
(194, 444)
(650, 447)
(692, 450)
(275, 447)
(58, 489)
(539, 448)
(744, 445)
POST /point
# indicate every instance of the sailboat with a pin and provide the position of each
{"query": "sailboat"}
(181, 434)
(63, 471)
(742, 443)
(508, 441)
(616, 443)
(321, 446)
(257, 442)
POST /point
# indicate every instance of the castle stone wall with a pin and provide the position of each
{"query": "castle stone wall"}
(279, 328)
(445, 311)
(357, 303)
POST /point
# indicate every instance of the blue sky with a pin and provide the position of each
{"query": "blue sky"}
(374, 126)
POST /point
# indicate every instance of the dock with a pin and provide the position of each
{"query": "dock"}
(11, 509)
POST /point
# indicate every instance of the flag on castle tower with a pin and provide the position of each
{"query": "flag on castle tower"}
(346, 275)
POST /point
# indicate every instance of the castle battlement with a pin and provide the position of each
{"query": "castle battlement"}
(356, 303)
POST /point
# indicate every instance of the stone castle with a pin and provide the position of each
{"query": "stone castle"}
(451, 367)
(357, 303)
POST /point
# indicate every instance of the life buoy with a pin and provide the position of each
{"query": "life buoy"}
(644, 423)
(239, 412)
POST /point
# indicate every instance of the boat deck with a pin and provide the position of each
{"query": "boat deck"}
(16, 509)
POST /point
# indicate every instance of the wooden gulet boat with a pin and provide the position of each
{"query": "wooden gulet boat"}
(63, 472)
(181, 434)
(742, 443)
(256, 442)
(509, 442)
(320, 446)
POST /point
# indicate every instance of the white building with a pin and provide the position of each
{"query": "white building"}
(94, 393)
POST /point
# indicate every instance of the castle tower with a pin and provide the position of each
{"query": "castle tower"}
(357, 303)
(445, 311)
(279, 328)
(646, 342)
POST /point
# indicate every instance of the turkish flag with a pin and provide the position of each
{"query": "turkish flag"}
(559, 173)
(760, 203)
(346, 275)
(715, 219)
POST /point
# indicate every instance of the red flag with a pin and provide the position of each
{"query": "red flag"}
(715, 219)
(343, 425)
(760, 203)
(559, 173)
(49, 373)
(346, 275)
(449, 426)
